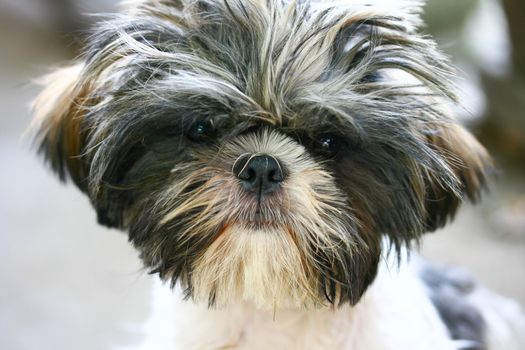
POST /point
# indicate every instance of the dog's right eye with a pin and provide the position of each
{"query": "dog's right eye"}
(201, 131)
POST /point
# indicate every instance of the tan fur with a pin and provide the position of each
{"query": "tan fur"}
(466, 155)
(263, 266)
(58, 115)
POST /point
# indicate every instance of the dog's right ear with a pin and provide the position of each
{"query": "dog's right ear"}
(58, 121)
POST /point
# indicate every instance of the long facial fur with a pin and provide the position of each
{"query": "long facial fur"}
(272, 76)
(208, 239)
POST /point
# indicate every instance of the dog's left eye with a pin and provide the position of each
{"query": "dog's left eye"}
(202, 130)
(328, 144)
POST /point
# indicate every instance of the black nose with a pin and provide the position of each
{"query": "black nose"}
(260, 174)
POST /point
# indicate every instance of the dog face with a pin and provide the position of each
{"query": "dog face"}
(262, 150)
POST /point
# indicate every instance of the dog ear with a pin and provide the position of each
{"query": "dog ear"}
(58, 122)
(469, 162)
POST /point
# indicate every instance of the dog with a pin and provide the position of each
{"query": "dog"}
(274, 162)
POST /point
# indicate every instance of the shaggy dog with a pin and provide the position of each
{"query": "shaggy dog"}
(272, 161)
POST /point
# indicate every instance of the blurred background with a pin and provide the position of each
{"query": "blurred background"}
(67, 283)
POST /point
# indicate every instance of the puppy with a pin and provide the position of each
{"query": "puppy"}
(272, 161)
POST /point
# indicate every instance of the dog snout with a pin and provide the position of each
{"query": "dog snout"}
(261, 174)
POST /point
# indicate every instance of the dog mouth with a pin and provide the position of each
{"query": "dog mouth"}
(261, 212)
(262, 217)
(259, 221)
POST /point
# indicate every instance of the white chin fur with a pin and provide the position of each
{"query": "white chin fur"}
(262, 266)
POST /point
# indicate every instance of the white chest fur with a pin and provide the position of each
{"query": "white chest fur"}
(395, 313)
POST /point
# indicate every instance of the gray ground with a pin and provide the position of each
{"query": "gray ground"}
(66, 283)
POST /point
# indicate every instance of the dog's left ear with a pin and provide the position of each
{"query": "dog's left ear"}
(469, 162)
(58, 122)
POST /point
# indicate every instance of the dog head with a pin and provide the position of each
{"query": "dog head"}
(262, 150)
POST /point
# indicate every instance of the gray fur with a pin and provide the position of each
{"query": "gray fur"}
(449, 291)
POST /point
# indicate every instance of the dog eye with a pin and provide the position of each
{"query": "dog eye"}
(201, 131)
(328, 145)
